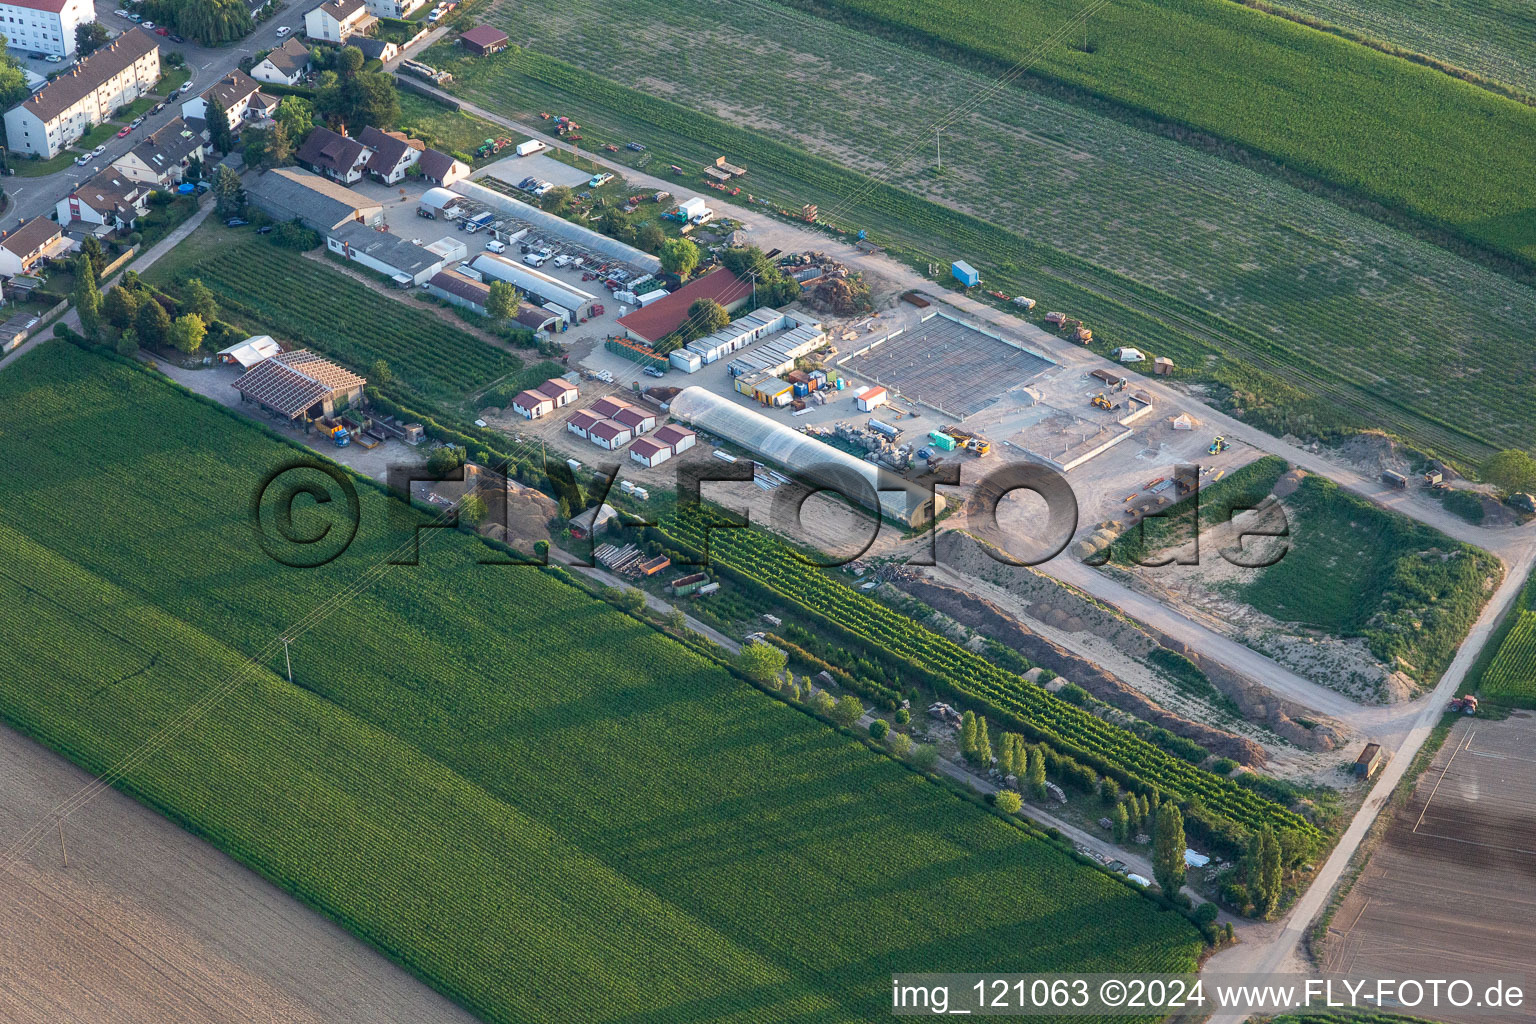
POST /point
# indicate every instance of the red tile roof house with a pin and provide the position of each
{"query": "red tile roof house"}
(649, 452)
(607, 407)
(582, 422)
(650, 324)
(560, 391)
(636, 419)
(531, 405)
(678, 438)
(609, 434)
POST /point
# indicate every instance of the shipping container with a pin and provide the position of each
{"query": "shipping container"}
(965, 273)
(941, 440)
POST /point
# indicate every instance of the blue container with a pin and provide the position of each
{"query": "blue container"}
(965, 273)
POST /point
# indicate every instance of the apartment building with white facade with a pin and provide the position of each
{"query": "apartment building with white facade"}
(57, 115)
(44, 26)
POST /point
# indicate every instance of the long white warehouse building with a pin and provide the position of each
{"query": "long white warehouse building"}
(533, 283)
(904, 502)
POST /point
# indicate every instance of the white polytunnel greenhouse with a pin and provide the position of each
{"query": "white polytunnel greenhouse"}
(805, 456)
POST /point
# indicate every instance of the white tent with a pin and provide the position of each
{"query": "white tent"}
(1184, 421)
(250, 351)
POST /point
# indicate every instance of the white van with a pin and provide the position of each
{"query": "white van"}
(495, 246)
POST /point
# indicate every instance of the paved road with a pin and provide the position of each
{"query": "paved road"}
(1280, 949)
(35, 197)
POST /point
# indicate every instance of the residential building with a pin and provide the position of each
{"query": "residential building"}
(582, 422)
(560, 391)
(300, 383)
(483, 40)
(238, 95)
(284, 65)
(111, 198)
(441, 169)
(290, 193)
(336, 156)
(391, 154)
(406, 263)
(338, 20)
(649, 452)
(381, 50)
(57, 115)
(608, 407)
(638, 420)
(676, 437)
(609, 434)
(393, 8)
(163, 157)
(47, 26)
(531, 405)
(650, 324)
(35, 242)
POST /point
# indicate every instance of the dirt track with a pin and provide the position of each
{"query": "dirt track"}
(149, 924)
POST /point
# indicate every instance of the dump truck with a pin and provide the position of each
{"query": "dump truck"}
(335, 430)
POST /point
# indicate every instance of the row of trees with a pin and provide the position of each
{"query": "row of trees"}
(210, 22)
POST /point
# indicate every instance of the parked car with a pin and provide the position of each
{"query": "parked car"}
(37, 56)
(162, 31)
(236, 222)
(265, 229)
(120, 13)
(544, 186)
(146, 24)
(186, 88)
(98, 151)
(176, 38)
(82, 161)
(562, 260)
(533, 259)
(53, 58)
(135, 17)
(157, 107)
(651, 371)
(124, 132)
(284, 30)
(136, 122)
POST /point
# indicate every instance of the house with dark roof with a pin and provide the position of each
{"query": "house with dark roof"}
(483, 40)
(441, 169)
(375, 49)
(290, 193)
(284, 65)
(35, 242)
(111, 198)
(163, 157)
(454, 287)
(393, 153)
(406, 263)
(57, 115)
(337, 21)
(238, 95)
(300, 383)
(650, 324)
(336, 156)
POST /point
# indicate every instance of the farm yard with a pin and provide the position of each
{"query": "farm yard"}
(1491, 38)
(1303, 315)
(604, 831)
(1510, 677)
(314, 306)
(1347, 570)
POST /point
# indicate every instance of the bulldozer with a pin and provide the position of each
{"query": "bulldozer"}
(1218, 446)
(1100, 401)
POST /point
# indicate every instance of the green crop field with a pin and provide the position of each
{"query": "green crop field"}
(1491, 38)
(1308, 315)
(756, 559)
(1353, 569)
(610, 830)
(1391, 129)
(1511, 678)
(313, 305)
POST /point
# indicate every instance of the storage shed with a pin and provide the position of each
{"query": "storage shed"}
(483, 40)
(872, 398)
(965, 273)
(649, 452)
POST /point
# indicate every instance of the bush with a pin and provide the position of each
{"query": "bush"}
(903, 716)
(879, 728)
(1206, 913)
(1009, 802)
(1224, 766)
